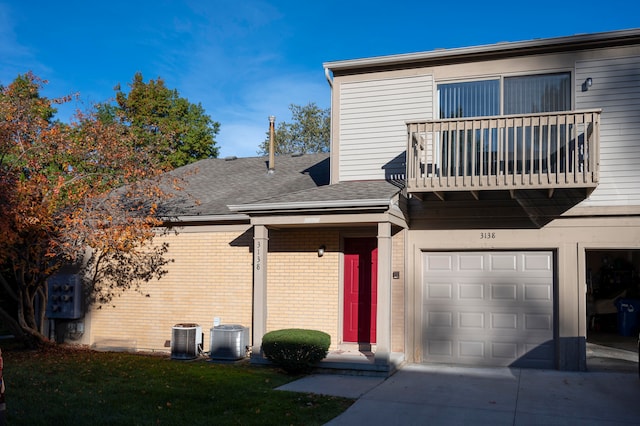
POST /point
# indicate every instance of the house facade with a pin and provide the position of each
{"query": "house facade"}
(480, 206)
(520, 165)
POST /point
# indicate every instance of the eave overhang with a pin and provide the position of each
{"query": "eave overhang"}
(263, 208)
(206, 218)
(490, 51)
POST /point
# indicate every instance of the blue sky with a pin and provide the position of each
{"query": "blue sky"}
(244, 60)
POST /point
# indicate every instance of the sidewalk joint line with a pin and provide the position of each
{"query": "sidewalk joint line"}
(515, 411)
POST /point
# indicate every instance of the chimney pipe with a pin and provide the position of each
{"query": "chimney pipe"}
(272, 149)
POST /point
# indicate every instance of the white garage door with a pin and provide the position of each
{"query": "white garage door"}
(488, 308)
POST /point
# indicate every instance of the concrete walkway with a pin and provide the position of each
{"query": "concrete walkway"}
(448, 395)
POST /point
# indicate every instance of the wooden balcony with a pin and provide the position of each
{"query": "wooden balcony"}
(546, 151)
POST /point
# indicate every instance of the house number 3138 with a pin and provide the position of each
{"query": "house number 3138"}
(487, 235)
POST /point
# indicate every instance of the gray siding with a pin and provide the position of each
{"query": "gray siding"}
(616, 89)
(373, 134)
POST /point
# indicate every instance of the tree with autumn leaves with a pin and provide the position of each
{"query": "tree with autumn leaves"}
(84, 193)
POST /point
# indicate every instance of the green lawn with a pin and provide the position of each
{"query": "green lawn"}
(64, 386)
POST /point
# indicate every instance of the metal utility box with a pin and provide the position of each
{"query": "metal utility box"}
(229, 342)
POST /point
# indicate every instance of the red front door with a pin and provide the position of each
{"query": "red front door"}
(360, 289)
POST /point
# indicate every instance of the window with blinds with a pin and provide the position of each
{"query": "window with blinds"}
(525, 148)
(529, 94)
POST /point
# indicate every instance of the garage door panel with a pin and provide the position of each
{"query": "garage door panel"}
(535, 262)
(440, 348)
(471, 348)
(490, 305)
(440, 290)
(537, 291)
(505, 351)
(503, 262)
(471, 262)
(538, 322)
(471, 291)
(439, 262)
(504, 321)
(471, 320)
(484, 308)
(504, 292)
(439, 319)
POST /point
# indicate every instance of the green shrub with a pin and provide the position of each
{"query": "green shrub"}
(295, 350)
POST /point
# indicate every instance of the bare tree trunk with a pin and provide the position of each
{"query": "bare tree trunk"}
(31, 336)
(23, 325)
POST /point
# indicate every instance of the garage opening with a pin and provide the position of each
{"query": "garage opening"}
(613, 308)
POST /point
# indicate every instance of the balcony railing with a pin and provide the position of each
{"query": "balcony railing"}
(532, 151)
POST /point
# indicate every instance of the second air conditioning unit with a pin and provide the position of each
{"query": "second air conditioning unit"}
(229, 342)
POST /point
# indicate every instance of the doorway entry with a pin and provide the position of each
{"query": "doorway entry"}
(360, 290)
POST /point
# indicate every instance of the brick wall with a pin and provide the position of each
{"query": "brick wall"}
(303, 289)
(211, 276)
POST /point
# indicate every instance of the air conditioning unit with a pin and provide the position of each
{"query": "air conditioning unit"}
(186, 341)
(229, 342)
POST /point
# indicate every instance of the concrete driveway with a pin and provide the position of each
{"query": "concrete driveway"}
(448, 395)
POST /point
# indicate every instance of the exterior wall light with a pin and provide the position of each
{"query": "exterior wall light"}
(321, 250)
(587, 83)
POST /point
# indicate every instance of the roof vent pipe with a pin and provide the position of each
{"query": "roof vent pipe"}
(272, 149)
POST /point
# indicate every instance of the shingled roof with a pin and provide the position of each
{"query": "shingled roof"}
(210, 186)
